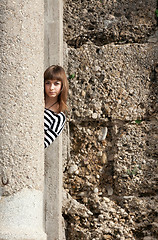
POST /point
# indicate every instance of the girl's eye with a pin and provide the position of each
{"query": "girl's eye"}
(57, 83)
(47, 83)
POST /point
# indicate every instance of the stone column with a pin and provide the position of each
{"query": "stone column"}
(53, 154)
(53, 193)
(22, 154)
(53, 32)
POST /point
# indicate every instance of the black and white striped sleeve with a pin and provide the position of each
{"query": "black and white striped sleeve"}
(53, 126)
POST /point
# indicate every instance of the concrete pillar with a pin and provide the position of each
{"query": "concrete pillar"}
(53, 193)
(53, 32)
(53, 155)
(22, 149)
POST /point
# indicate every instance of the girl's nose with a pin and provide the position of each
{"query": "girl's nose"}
(52, 86)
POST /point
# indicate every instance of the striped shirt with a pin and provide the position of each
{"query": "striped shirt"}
(53, 126)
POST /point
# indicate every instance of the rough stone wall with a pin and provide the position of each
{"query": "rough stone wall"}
(112, 64)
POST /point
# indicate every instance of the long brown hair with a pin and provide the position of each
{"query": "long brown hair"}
(56, 72)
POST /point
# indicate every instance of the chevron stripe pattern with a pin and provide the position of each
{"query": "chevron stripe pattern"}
(53, 126)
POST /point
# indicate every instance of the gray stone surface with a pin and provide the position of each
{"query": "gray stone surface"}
(53, 190)
(22, 95)
(21, 216)
(53, 53)
(22, 154)
(53, 29)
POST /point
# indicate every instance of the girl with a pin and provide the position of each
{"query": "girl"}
(55, 94)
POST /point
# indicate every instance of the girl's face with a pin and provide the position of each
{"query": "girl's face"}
(52, 88)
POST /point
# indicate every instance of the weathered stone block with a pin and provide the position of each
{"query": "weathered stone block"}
(135, 163)
(118, 83)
